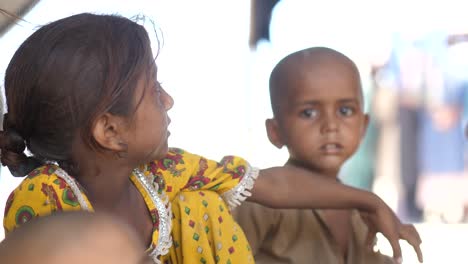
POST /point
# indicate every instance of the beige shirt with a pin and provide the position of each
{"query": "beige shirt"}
(296, 236)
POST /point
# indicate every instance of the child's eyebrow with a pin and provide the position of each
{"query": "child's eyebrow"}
(318, 102)
(309, 102)
(349, 100)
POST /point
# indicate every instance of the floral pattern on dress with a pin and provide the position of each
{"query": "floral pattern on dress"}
(170, 162)
(197, 181)
(158, 180)
(44, 170)
(24, 214)
(52, 197)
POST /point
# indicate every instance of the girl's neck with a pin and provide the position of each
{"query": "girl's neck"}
(106, 184)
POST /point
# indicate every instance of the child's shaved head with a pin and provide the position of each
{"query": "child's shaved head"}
(73, 237)
(299, 64)
(317, 101)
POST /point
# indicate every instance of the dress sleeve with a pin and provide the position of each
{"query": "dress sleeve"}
(232, 177)
(40, 194)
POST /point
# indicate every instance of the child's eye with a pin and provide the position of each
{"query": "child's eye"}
(346, 111)
(309, 113)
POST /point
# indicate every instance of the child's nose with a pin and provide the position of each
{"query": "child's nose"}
(329, 123)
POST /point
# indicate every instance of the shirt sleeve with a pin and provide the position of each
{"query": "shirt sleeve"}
(40, 194)
(232, 177)
(257, 222)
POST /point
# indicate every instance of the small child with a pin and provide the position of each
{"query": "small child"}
(74, 238)
(317, 104)
(83, 97)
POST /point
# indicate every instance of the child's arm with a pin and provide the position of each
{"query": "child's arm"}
(292, 187)
(279, 187)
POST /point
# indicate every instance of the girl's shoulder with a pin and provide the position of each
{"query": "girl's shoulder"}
(42, 175)
(41, 193)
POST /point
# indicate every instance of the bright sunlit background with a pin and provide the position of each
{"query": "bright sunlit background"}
(220, 87)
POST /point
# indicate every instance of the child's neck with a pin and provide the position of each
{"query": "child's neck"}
(331, 174)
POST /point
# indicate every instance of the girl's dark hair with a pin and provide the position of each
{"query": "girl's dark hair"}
(62, 78)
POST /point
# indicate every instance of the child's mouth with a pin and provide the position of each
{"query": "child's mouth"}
(331, 148)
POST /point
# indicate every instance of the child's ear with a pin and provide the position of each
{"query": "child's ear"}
(273, 133)
(108, 132)
(366, 124)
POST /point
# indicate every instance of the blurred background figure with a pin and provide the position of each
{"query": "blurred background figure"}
(425, 72)
(442, 187)
(404, 75)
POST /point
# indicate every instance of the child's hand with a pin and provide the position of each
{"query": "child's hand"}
(383, 220)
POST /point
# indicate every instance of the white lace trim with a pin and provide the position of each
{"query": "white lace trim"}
(241, 191)
(161, 201)
(74, 187)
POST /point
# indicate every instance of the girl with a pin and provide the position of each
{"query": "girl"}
(83, 97)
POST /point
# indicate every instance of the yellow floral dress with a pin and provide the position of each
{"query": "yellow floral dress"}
(189, 198)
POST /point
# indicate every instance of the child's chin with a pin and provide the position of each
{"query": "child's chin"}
(331, 166)
(332, 162)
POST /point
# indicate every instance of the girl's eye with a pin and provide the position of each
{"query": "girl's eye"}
(309, 113)
(346, 111)
(158, 88)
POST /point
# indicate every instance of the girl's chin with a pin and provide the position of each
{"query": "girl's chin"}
(160, 153)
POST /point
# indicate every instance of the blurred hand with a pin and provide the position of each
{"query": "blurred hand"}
(383, 220)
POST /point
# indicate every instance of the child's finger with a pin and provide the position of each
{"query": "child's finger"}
(411, 235)
(417, 247)
(371, 234)
(419, 253)
(415, 231)
(370, 238)
(394, 243)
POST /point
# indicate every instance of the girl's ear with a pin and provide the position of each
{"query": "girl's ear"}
(273, 133)
(109, 132)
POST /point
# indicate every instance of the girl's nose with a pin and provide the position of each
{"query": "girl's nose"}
(168, 101)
